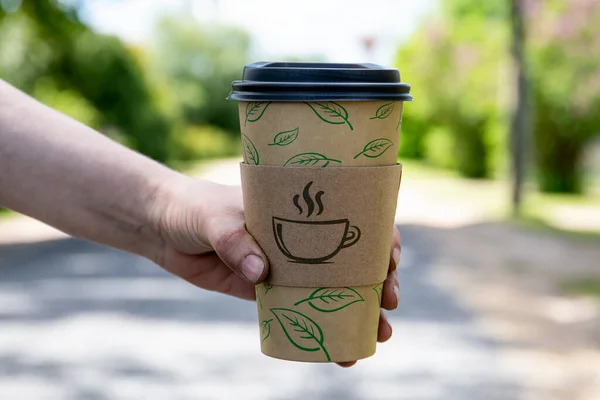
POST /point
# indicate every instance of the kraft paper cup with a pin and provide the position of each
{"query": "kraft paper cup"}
(320, 324)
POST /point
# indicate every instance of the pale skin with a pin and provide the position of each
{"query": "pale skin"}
(69, 176)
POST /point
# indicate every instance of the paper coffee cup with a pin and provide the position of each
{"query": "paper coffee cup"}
(311, 116)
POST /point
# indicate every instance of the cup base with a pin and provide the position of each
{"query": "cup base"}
(327, 324)
(296, 359)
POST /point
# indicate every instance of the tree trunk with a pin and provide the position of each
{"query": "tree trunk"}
(518, 136)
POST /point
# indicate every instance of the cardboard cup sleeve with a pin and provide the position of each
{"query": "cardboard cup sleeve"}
(327, 234)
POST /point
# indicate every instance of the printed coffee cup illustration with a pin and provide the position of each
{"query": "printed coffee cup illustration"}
(332, 235)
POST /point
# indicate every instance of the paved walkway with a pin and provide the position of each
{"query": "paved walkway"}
(80, 321)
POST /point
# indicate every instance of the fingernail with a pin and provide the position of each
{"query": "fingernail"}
(397, 293)
(253, 267)
(396, 256)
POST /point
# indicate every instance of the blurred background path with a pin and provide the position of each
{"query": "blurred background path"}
(80, 321)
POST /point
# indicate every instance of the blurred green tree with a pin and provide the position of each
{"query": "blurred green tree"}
(565, 39)
(52, 55)
(455, 63)
(199, 63)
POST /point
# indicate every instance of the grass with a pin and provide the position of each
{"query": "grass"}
(541, 225)
(575, 215)
(489, 197)
(586, 287)
(572, 215)
(422, 170)
(196, 168)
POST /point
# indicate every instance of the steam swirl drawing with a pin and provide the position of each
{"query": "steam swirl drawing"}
(312, 241)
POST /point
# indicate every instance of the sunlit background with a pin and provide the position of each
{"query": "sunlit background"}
(500, 298)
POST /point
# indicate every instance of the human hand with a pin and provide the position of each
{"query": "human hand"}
(205, 241)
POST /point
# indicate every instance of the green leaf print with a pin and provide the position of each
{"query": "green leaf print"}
(250, 152)
(399, 121)
(284, 138)
(265, 329)
(375, 148)
(332, 299)
(302, 332)
(331, 112)
(255, 110)
(378, 290)
(384, 111)
(268, 286)
(310, 159)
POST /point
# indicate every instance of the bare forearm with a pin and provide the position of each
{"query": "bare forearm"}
(69, 176)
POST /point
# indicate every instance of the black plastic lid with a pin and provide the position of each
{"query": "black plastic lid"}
(300, 81)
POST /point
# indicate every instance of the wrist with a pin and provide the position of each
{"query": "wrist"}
(183, 213)
(163, 194)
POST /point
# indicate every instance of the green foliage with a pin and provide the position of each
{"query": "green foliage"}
(67, 101)
(413, 134)
(464, 9)
(454, 65)
(138, 98)
(586, 287)
(107, 74)
(23, 58)
(566, 75)
(416, 116)
(459, 67)
(204, 142)
(437, 142)
(199, 64)
(91, 77)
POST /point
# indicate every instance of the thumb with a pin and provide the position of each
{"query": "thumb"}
(238, 249)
